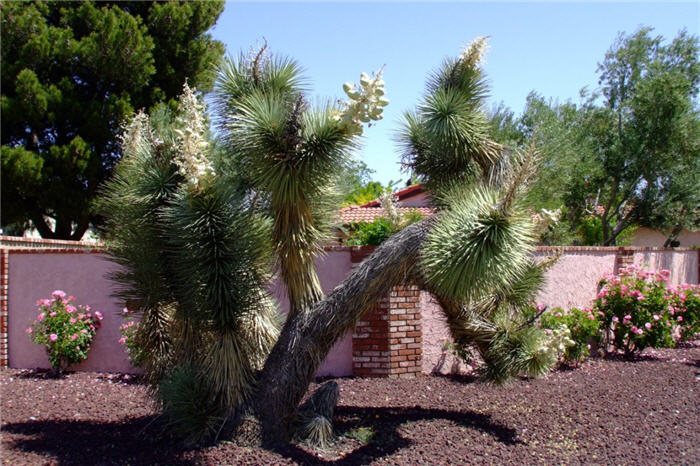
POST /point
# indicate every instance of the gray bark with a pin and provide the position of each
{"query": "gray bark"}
(307, 338)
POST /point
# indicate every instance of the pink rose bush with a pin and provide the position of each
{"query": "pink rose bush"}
(128, 338)
(634, 309)
(67, 336)
(637, 309)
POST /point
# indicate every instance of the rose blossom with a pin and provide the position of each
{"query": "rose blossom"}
(52, 314)
(53, 337)
(680, 318)
(656, 317)
(647, 325)
(40, 317)
(122, 340)
(74, 337)
(71, 309)
(615, 319)
(58, 294)
(29, 330)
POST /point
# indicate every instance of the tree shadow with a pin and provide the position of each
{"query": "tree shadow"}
(131, 441)
(384, 423)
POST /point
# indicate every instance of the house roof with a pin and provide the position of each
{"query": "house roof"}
(401, 195)
(353, 214)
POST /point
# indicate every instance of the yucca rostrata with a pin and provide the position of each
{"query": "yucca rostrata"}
(201, 227)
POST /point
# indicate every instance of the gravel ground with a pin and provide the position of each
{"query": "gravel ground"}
(607, 411)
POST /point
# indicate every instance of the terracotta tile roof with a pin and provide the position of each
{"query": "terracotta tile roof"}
(354, 214)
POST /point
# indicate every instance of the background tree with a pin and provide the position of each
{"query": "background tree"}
(627, 155)
(71, 73)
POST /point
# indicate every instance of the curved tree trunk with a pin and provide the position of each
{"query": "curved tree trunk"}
(307, 337)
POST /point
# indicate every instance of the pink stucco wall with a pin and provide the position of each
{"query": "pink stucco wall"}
(332, 268)
(573, 280)
(33, 276)
(682, 264)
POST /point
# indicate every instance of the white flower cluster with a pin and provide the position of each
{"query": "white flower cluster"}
(546, 218)
(557, 340)
(388, 202)
(135, 133)
(366, 102)
(475, 52)
(191, 158)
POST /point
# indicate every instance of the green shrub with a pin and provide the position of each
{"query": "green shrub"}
(66, 330)
(376, 232)
(583, 328)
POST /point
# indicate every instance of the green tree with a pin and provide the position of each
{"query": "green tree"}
(644, 134)
(71, 73)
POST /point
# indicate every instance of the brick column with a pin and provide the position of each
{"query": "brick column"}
(623, 258)
(4, 276)
(388, 341)
(405, 333)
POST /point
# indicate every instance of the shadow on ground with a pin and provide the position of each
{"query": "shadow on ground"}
(384, 423)
(90, 442)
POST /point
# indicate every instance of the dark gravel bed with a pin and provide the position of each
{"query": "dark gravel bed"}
(607, 411)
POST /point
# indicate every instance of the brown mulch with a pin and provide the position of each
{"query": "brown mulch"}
(607, 411)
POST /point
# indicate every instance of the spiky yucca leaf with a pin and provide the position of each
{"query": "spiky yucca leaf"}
(515, 350)
(475, 246)
(188, 407)
(446, 139)
(220, 254)
(290, 155)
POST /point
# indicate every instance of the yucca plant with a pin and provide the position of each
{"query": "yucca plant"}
(199, 229)
(291, 154)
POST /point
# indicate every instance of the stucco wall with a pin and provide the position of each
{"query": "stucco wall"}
(33, 276)
(332, 268)
(573, 280)
(682, 264)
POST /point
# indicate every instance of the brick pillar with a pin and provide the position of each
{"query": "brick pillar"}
(4, 276)
(405, 334)
(388, 341)
(623, 258)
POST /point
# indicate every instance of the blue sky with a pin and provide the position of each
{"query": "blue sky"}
(551, 48)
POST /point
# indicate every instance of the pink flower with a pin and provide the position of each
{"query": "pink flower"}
(656, 317)
(647, 325)
(80, 316)
(558, 314)
(40, 317)
(125, 311)
(640, 297)
(84, 331)
(639, 331)
(29, 330)
(58, 294)
(122, 340)
(680, 318)
(77, 348)
(540, 307)
(74, 337)
(71, 298)
(615, 319)
(628, 317)
(98, 314)
(53, 337)
(72, 320)
(52, 314)
(71, 309)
